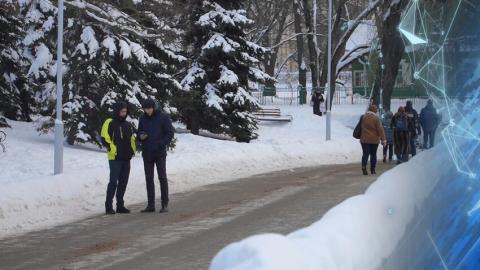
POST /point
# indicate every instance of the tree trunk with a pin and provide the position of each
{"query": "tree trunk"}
(302, 69)
(392, 49)
(312, 51)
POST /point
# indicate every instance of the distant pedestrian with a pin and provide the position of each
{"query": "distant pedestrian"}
(317, 99)
(402, 126)
(155, 132)
(429, 120)
(372, 134)
(387, 126)
(323, 105)
(415, 130)
(119, 137)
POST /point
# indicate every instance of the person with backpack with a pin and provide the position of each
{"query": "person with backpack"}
(401, 125)
(415, 130)
(387, 126)
(155, 132)
(118, 136)
(429, 120)
(372, 134)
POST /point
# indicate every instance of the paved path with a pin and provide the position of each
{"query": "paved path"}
(199, 224)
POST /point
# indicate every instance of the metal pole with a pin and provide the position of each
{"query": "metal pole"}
(58, 155)
(329, 93)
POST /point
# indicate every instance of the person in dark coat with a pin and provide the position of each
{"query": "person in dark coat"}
(429, 120)
(415, 130)
(118, 136)
(155, 132)
(401, 125)
(387, 126)
(317, 99)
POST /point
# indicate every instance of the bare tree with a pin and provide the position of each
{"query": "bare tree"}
(302, 69)
(340, 36)
(388, 19)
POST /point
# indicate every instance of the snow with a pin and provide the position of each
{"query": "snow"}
(220, 41)
(228, 17)
(42, 58)
(194, 73)
(227, 77)
(365, 228)
(32, 198)
(125, 49)
(363, 35)
(109, 43)
(88, 38)
(213, 100)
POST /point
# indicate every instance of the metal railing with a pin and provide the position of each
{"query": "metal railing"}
(342, 96)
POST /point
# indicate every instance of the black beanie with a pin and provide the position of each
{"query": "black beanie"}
(149, 103)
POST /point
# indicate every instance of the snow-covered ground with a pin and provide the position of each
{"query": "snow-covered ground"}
(32, 198)
(359, 233)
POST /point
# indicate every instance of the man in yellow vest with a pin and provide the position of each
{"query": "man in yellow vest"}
(118, 136)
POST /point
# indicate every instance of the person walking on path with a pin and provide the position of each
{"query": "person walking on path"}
(415, 130)
(401, 125)
(372, 134)
(118, 136)
(155, 132)
(387, 126)
(429, 120)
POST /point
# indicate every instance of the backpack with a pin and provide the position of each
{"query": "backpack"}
(401, 123)
(357, 132)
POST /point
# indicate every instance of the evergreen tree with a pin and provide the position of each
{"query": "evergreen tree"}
(217, 84)
(112, 51)
(15, 96)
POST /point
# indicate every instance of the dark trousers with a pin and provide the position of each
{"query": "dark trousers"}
(369, 150)
(413, 147)
(119, 173)
(388, 148)
(428, 136)
(149, 164)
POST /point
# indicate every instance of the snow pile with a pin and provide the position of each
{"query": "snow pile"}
(357, 234)
(31, 198)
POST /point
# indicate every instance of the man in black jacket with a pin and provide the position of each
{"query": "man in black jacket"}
(119, 138)
(155, 132)
(415, 131)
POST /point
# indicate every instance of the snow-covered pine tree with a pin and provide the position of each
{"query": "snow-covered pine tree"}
(39, 45)
(15, 96)
(223, 68)
(111, 55)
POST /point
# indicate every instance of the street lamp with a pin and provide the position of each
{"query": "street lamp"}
(329, 74)
(58, 154)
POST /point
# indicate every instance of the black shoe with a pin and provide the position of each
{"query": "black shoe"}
(373, 171)
(149, 209)
(123, 210)
(364, 170)
(384, 159)
(164, 209)
(110, 211)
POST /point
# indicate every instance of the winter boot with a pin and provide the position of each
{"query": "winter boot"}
(384, 159)
(372, 170)
(364, 171)
(164, 208)
(109, 211)
(122, 210)
(148, 209)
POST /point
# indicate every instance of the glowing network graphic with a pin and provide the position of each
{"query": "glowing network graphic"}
(425, 39)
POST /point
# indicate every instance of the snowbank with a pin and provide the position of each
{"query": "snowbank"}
(356, 234)
(32, 198)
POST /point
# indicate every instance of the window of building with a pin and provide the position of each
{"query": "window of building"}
(359, 78)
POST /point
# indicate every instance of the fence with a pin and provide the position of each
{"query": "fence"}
(343, 95)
